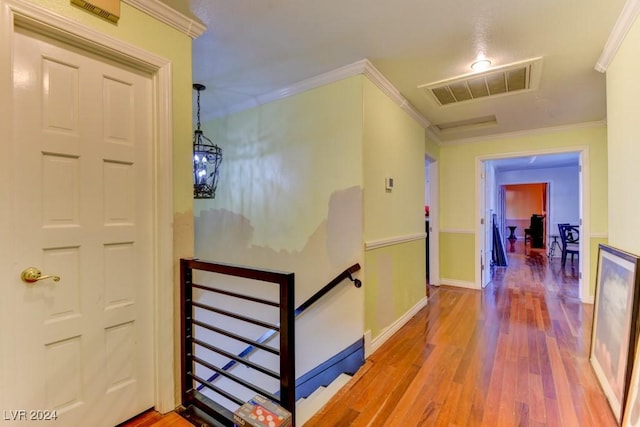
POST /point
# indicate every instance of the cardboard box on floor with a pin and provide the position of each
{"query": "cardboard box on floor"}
(261, 412)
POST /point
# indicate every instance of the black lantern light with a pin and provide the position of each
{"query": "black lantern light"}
(207, 157)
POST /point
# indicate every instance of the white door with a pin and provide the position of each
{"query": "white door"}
(82, 186)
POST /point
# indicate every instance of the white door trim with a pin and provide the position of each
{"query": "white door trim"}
(434, 223)
(585, 206)
(23, 13)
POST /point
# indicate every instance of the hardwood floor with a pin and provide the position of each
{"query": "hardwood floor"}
(152, 418)
(514, 354)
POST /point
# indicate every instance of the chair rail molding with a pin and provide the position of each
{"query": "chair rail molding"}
(375, 244)
(457, 231)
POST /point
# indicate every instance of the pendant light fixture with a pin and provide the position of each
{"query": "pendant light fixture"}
(207, 157)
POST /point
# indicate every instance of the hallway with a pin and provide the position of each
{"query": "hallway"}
(515, 354)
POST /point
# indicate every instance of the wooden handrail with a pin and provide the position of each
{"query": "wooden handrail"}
(332, 284)
(346, 274)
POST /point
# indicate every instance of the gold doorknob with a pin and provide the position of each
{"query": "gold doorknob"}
(32, 275)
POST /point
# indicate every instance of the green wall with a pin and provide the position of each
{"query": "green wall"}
(394, 147)
(458, 206)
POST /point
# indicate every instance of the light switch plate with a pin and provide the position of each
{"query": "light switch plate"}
(388, 183)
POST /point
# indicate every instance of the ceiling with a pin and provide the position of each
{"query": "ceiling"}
(253, 48)
(536, 162)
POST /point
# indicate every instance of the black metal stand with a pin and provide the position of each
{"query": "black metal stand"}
(554, 243)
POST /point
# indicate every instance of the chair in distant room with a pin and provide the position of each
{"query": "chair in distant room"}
(570, 240)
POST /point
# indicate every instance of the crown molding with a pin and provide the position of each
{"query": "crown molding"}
(164, 13)
(625, 20)
(529, 132)
(363, 66)
(390, 90)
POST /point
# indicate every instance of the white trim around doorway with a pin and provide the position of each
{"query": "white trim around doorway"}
(585, 204)
(27, 14)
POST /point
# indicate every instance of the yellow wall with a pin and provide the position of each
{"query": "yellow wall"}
(394, 146)
(457, 255)
(431, 148)
(458, 189)
(394, 283)
(290, 198)
(302, 188)
(593, 261)
(623, 111)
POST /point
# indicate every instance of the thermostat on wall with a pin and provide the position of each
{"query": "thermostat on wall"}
(388, 183)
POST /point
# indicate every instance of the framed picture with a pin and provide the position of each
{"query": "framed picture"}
(631, 417)
(615, 320)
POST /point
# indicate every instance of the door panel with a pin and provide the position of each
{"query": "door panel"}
(82, 211)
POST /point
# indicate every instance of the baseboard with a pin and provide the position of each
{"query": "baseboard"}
(377, 342)
(459, 283)
(348, 361)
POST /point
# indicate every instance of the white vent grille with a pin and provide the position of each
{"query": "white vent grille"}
(510, 78)
(464, 125)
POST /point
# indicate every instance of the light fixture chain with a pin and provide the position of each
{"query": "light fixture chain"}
(198, 114)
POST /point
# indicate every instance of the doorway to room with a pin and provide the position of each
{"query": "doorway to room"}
(524, 212)
(561, 199)
(432, 273)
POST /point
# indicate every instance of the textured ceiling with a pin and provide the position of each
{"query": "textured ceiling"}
(252, 48)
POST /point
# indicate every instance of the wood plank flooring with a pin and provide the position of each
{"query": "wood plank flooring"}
(514, 354)
(152, 418)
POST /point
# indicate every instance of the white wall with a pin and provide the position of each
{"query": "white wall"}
(623, 110)
(564, 191)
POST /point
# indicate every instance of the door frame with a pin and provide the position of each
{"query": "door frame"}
(434, 226)
(487, 176)
(14, 13)
(584, 209)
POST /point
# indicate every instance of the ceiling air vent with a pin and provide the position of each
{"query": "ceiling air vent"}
(464, 125)
(520, 76)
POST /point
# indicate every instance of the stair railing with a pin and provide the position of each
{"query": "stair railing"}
(199, 406)
(268, 335)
